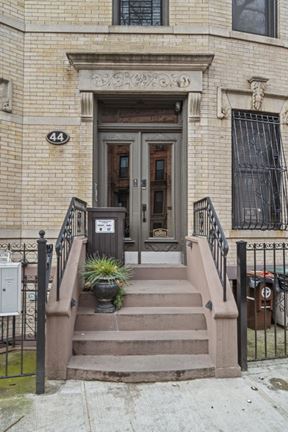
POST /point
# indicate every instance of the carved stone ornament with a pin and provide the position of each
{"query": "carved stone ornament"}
(194, 107)
(222, 110)
(6, 92)
(87, 106)
(139, 79)
(258, 86)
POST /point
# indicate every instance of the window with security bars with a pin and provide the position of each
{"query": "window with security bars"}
(259, 172)
(255, 16)
(140, 12)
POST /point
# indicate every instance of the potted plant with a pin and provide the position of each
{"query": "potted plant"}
(106, 278)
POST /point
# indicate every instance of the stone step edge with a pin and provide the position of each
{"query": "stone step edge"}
(130, 368)
(147, 310)
(139, 335)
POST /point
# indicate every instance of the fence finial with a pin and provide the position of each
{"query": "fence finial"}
(42, 233)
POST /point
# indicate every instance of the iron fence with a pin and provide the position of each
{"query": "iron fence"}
(18, 333)
(262, 296)
(207, 224)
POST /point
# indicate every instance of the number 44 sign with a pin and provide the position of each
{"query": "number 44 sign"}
(57, 137)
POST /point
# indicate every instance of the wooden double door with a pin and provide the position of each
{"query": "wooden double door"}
(142, 172)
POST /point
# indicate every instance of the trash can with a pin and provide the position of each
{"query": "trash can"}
(282, 300)
(106, 232)
(260, 291)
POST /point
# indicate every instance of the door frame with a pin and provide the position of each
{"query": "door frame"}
(128, 131)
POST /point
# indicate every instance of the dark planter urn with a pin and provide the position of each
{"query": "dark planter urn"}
(105, 291)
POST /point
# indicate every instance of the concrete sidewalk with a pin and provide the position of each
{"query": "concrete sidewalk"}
(258, 401)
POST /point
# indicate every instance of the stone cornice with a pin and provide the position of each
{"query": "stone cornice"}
(133, 61)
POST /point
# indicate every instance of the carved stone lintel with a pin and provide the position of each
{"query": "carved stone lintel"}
(258, 86)
(140, 81)
(6, 95)
(222, 111)
(87, 106)
(194, 107)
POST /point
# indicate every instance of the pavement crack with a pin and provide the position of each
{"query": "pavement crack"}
(13, 424)
(86, 408)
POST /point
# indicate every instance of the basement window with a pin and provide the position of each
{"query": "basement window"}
(140, 12)
(259, 172)
(255, 16)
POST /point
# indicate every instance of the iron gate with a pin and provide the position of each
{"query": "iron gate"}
(262, 298)
(19, 335)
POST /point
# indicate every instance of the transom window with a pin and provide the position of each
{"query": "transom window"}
(259, 172)
(140, 12)
(255, 16)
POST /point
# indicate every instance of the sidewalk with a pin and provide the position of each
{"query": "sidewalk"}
(258, 401)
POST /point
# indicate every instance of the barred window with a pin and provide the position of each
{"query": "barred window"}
(140, 12)
(259, 172)
(255, 16)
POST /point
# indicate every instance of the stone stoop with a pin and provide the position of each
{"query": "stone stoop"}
(160, 334)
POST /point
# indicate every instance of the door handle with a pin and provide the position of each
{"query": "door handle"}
(144, 209)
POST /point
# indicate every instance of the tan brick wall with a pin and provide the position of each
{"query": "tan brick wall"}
(11, 68)
(13, 8)
(51, 175)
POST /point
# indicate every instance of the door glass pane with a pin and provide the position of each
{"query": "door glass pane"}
(161, 200)
(119, 179)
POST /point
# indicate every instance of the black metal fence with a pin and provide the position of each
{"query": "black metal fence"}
(207, 224)
(74, 225)
(262, 297)
(19, 333)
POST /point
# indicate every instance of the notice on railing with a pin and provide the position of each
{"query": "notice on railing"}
(105, 226)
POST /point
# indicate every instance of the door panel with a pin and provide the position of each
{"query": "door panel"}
(141, 171)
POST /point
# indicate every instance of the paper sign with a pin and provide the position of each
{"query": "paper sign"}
(105, 226)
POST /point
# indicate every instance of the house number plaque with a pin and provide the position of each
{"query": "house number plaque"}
(57, 137)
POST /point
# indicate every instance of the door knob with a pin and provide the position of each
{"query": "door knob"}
(144, 209)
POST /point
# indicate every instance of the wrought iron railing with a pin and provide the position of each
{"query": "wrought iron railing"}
(207, 224)
(74, 225)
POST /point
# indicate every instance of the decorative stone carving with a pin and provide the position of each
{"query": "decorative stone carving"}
(194, 107)
(284, 113)
(6, 93)
(87, 106)
(140, 80)
(258, 87)
(222, 111)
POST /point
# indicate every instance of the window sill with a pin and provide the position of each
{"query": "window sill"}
(250, 37)
(256, 234)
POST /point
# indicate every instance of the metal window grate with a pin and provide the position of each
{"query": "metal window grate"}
(141, 12)
(259, 172)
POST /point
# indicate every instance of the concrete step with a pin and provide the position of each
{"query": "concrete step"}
(159, 271)
(135, 368)
(142, 318)
(169, 293)
(140, 342)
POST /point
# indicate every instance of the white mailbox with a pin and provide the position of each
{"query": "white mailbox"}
(10, 288)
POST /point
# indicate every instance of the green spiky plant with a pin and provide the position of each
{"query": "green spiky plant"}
(109, 269)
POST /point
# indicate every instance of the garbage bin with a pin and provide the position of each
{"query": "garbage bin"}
(260, 291)
(282, 300)
(106, 232)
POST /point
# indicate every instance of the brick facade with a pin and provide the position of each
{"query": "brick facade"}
(37, 179)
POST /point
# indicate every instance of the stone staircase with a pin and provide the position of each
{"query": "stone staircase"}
(160, 333)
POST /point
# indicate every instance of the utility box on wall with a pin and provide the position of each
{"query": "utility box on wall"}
(10, 288)
(106, 231)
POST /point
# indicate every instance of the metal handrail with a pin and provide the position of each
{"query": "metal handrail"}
(74, 224)
(207, 224)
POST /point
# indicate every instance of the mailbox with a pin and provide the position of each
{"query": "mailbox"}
(10, 288)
